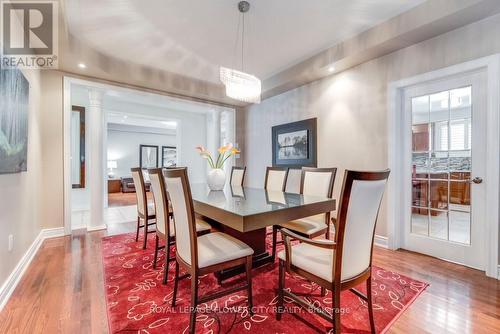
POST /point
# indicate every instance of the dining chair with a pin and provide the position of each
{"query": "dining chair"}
(293, 180)
(165, 230)
(314, 182)
(237, 176)
(344, 263)
(205, 254)
(145, 210)
(275, 178)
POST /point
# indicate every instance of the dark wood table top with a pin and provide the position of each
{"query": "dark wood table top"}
(246, 209)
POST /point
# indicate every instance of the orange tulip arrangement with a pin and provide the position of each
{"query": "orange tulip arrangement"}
(225, 152)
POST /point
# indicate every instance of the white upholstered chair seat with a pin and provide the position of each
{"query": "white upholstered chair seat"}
(308, 225)
(315, 260)
(218, 247)
(201, 226)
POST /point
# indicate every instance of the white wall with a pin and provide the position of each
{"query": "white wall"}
(351, 106)
(123, 146)
(20, 193)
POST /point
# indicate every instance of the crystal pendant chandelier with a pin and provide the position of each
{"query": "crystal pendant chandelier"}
(240, 85)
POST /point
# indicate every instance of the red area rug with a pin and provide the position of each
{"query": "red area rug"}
(137, 302)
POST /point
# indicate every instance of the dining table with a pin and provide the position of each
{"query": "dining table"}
(246, 213)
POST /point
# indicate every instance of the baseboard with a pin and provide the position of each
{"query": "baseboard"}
(381, 241)
(15, 276)
(498, 273)
(97, 228)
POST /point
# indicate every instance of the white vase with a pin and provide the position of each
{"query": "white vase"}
(216, 178)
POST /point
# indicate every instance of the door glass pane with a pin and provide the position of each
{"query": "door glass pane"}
(420, 221)
(460, 226)
(438, 224)
(420, 165)
(441, 164)
(438, 195)
(420, 193)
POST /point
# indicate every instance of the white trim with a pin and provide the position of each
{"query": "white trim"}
(96, 228)
(498, 272)
(67, 153)
(15, 276)
(492, 177)
(381, 241)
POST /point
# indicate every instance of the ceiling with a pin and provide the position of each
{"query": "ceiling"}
(194, 38)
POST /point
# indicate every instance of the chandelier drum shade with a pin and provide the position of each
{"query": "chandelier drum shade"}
(240, 85)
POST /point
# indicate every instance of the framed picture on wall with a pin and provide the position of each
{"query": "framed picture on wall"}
(169, 156)
(295, 144)
(14, 105)
(148, 156)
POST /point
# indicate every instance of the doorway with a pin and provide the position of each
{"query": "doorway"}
(447, 157)
(443, 144)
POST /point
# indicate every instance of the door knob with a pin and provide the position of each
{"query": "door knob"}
(477, 180)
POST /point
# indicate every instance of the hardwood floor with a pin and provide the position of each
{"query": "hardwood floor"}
(62, 291)
(124, 199)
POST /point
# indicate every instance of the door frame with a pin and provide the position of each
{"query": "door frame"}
(395, 148)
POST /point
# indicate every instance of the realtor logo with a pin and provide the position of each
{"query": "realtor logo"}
(29, 34)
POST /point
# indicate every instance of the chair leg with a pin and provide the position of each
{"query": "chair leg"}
(138, 227)
(156, 251)
(145, 233)
(167, 261)
(336, 311)
(327, 236)
(275, 237)
(281, 287)
(194, 303)
(249, 284)
(370, 303)
(176, 283)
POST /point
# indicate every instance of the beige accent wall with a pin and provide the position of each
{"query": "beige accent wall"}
(51, 134)
(20, 193)
(351, 106)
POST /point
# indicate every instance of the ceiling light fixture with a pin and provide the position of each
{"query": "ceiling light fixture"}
(240, 85)
(82, 65)
(331, 68)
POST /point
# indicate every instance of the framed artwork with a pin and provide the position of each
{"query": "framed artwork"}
(14, 105)
(169, 156)
(148, 156)
(295, 144)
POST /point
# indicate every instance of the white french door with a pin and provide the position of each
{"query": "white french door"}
(445, 162)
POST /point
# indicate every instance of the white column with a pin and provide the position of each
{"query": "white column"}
(96, 164)
(213, 132)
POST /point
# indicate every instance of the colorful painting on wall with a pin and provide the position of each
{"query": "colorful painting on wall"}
(14, 104)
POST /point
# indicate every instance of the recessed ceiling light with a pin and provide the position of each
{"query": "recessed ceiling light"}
(82, 65)
(331, 68)
(125, 116)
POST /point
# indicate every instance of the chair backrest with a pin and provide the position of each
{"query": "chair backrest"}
(275, 178)
(237, 176)
(317, 181)
(161, 200)
(293, 181)
(177, 183)
(357, 216)
(140, 191)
